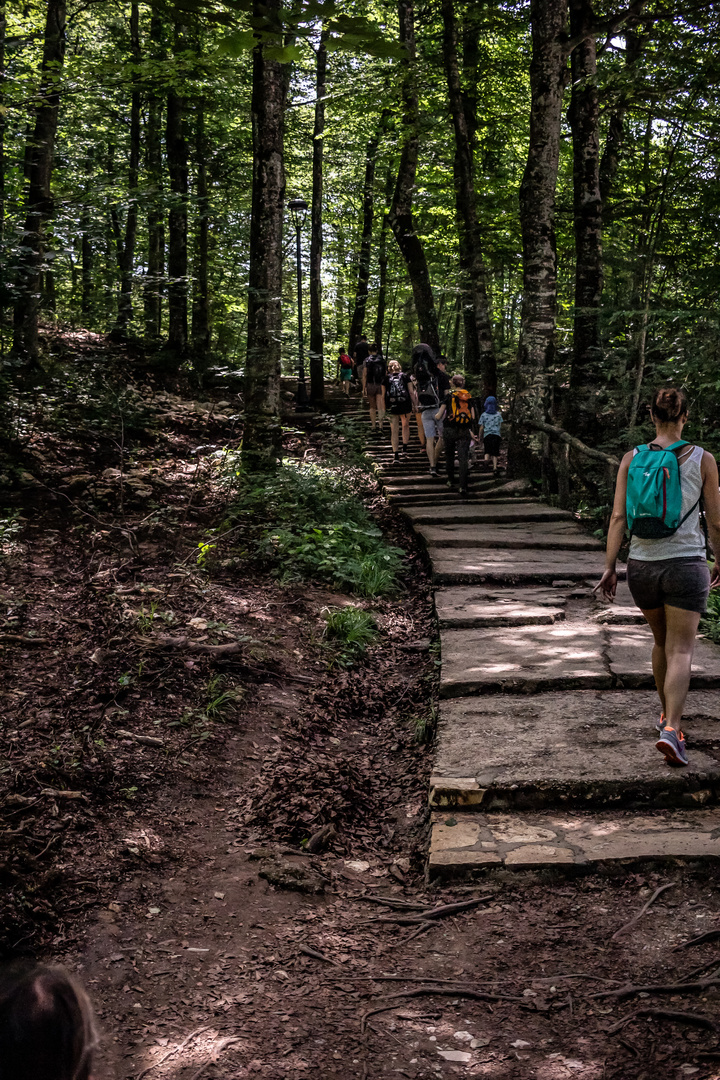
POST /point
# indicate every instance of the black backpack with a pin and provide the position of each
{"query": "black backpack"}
(427, 388)
(375, 370)
(397, 390)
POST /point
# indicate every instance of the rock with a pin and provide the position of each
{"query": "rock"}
(463, 1036)
(287, 874)
(461, 1056)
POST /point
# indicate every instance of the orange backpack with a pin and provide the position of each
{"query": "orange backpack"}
(460, 407)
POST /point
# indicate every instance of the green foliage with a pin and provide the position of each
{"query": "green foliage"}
(425, 724)
(350, 630)
(304, 523)
(710, 624)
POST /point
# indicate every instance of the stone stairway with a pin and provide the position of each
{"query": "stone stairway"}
(545, 752)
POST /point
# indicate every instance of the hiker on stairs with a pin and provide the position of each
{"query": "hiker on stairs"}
(400, 401)
(457, 413)
(489, 427)
(373, 374)
(660, 492)
(424, 370)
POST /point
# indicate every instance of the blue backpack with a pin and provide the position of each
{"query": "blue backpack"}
(654, 496)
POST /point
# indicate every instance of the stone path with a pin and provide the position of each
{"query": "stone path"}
(545, 752)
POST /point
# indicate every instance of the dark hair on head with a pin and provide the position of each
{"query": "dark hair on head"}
(47, 1028)
(373, 345)
(669, 405)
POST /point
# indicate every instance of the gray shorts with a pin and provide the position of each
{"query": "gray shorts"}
(433, 428)
(680, 583)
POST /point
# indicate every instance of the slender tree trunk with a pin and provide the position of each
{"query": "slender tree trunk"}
(39, 202)
(455, 339)
(584, 117)
(201, 295)
(177, 160)
(126, 251)
(383, 262)
(615, 139)
(363, 273)
(261, 438)
(317, 348)
(401, 211)
(153, 165)
(536, 350)
(479, 352)
(87, 265)
(3, 123)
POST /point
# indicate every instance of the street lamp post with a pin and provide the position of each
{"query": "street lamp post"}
(298, 209)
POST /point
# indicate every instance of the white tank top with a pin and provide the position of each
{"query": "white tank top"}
(689, 540)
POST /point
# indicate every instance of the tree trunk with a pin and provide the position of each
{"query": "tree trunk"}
(401, 212)
(87, 261)
(126, 250)
(383, 263)
(4, 297)
(152, 303)
(261, 439)
(479, 353)
(317, 349)
(536, 349)
(201, 295)
(39, 202)
(584, 117)
(177, 261)
(615, 139)
(363, 273)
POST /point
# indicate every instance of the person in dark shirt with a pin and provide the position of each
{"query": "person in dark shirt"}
(457, 413)
(400, 400)
(374, 370)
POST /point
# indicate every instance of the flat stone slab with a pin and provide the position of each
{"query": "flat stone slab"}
(552, 535)
(468, 606)
(497, 512)
(463, 845)
(523, 659)
(630, 652)
(532, 565)
(588, 747)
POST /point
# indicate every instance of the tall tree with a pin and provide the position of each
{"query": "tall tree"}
(383, 261)
(177, 261)
(40, 155)
(201, 292)
(126, 243)
(261, 437)
(153, 167)
(479, 351)
(402, 221)
(317, 382)
(584, 117)
(368, 213)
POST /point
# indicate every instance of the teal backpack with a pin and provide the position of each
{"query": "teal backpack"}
(654, 497)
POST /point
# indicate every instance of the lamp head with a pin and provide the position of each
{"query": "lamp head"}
(298, 209)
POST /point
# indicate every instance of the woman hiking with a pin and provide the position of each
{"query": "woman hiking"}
(667, 570)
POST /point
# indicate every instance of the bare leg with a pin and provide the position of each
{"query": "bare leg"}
(420, 428)
(394, 433)
(373, 413)
(405, 418)
(656, 621)
(380, 403)
(681, 628)
(430, 450)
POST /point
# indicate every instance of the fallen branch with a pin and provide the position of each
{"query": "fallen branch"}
(642, 910)
(171, 1053)
(317, 955)
(186, 643)
(566, 437)
(709, 935)
(63, 794)
(659, 988)
(218, 1050)
(20, 639)
(579, 975)
(146, 740)
(665, 1014)
(432, 913)
(390, 901)
(426, 991)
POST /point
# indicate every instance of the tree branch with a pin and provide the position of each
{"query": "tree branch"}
(564, 436)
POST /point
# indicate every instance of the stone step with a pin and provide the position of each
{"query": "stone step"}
(467, 606)
(532, 566)
(473, 844)
(555, 534)
(573, 654)
(581, 748)
(500, 511)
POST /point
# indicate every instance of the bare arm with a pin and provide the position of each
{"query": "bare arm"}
(441, 412)
(711, 498)
(616, 532)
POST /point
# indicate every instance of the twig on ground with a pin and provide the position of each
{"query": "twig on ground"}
(665, 1014)
(218, 1050)
(171, 1053)
(709, 935)
(425, 925)
(659, 988)
(424, 991)
(432, 913)
(642, 910)
(629, 1046)
(144, 740)
(390, 901)
(317, 955)
(20, 639)
(579, 975)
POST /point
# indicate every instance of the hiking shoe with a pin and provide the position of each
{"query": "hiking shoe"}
(433, 470)
(660, 726)
(672, 744)
(396, 457)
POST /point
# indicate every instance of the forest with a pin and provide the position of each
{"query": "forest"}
(530, 188)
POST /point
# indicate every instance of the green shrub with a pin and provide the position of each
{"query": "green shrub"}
(351, 629)
(304, 522)
(710, 625)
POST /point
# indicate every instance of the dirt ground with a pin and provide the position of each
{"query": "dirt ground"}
(157, 795)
